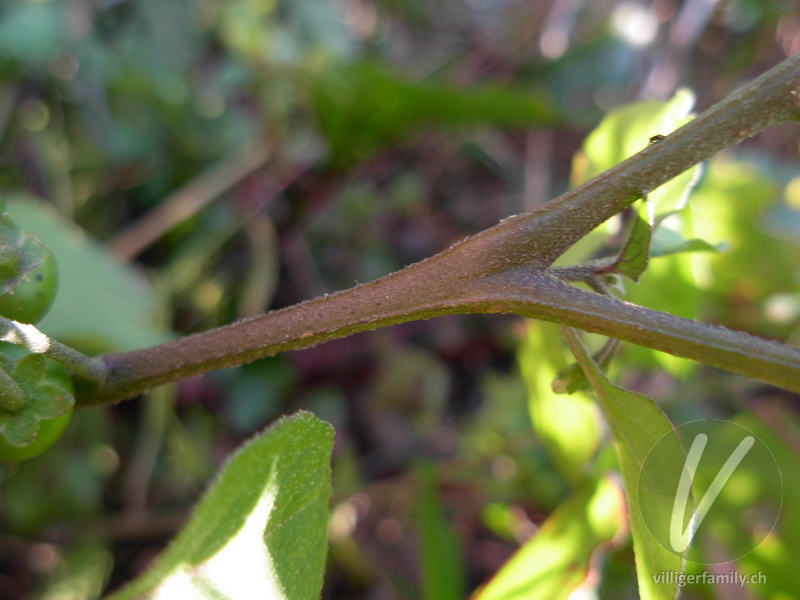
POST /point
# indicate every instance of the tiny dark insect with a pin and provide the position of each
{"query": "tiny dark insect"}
(656, 138)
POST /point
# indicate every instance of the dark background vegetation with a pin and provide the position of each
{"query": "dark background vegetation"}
(314, 144)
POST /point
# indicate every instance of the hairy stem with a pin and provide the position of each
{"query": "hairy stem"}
(525, 292)
(503, 269)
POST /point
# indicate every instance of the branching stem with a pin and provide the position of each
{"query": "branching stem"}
(505, 269)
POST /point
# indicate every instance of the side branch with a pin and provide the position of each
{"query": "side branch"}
(542, 236)
(543, 297)
(530, 293)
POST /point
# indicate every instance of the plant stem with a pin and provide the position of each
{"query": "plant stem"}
(91, 370)
(541, 236)
(503, 269)
(529, 293)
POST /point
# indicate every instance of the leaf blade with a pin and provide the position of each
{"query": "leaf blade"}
(637, 424)
(261, 529)
(556, 560)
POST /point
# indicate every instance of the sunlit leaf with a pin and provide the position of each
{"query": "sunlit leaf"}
(558, 557)
(637, 424)
(667, 241)
(629, 129)
(635, 255)
(670, 284)
(261, 529)
(568, 425)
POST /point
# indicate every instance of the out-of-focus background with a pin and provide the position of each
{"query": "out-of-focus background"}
(193, 162)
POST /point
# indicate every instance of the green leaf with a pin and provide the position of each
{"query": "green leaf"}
(557, 559)
(629, 129)
(693, 245)
(667, 240)
(442, 568)
(633, 259)
(102, 305)
(261, 529)
(637, 424)
(363, 107)
(670, 284)
(569, 426)
(571, 379)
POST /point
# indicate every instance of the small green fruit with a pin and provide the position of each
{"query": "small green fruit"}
(10, 261)
(31, 298)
